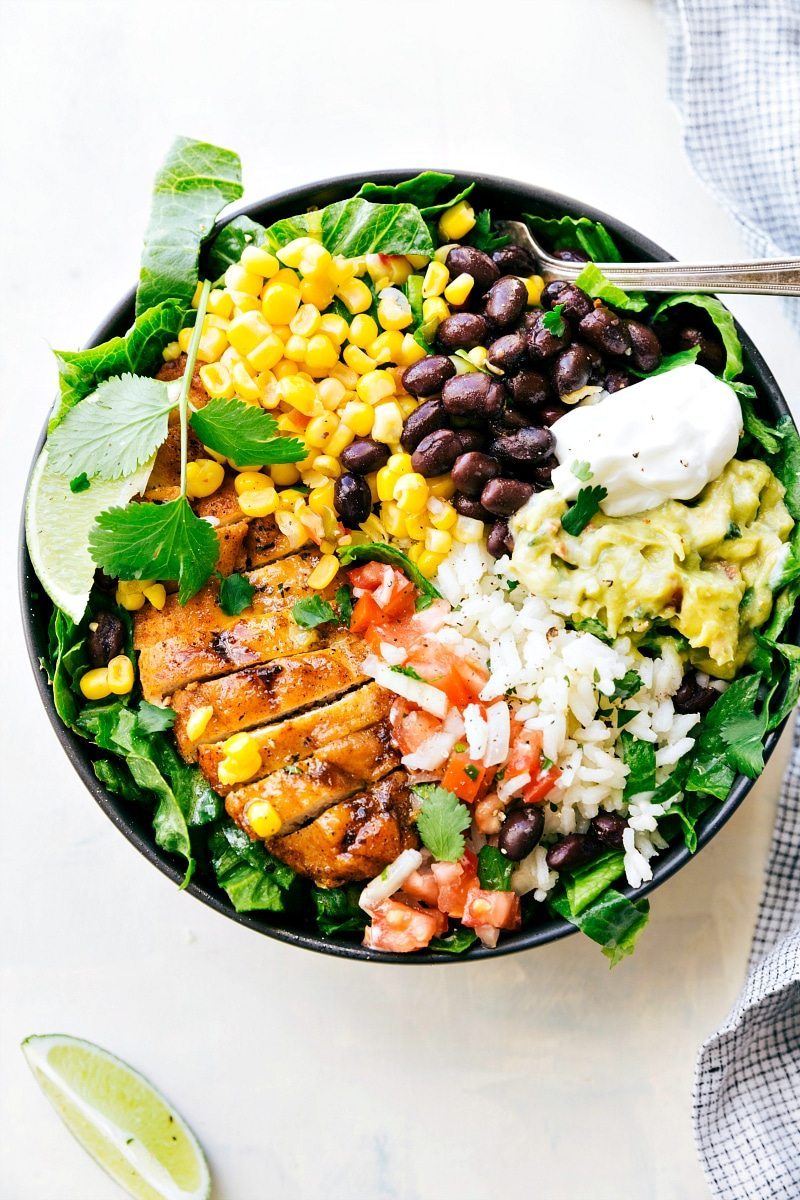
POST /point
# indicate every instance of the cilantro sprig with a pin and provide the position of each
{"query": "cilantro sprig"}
(235, 594)
(579, 514)
(554, 322)
(442, 822)
(244, 433)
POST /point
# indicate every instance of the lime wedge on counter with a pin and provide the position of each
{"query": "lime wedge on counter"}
(57, 525)
(120, 1119)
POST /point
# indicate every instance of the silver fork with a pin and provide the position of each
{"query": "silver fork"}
(762, 276)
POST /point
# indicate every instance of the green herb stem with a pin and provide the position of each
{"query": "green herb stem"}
(186, 383)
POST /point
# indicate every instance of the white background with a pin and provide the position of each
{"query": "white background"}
(544, 1074)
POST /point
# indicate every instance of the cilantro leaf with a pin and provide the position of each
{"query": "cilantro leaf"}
(554, 322)
(115, 430)
(628, 686)
(152, 718)
(595, 627)
(161, 541)
(235, 594)
(582, 471)
(442, 822)
(244, 433)
(80, 483)
(382, 552)
(312, 611)
(344, 604)
(579, 514)
(407, 671)
(640, 757)
(494, 869)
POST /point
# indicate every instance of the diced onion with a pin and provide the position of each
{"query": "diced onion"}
(390, 880)
(435, 750)
(424, 695)
(393, 655)
(498, 721)
(488, 934)
(476, 731)
(510, 787)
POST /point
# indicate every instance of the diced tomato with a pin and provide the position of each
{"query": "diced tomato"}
(421, 885)
(365, 614)
(525, 753)
(459, 678)
(455, 881)
(403, 927)
(411, 726)
(541, 786)
(499, 909)
(392, 591)
(469, 780)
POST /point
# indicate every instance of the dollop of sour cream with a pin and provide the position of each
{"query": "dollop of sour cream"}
(661, 439)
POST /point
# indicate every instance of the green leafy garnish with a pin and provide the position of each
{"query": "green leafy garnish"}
(423, 190)
(576, 233)
(244, 433)
(382, 552)
(409, 672)
(579, 514)
(613, 921)
(592, 281)
(481, 236)
(681, 358)
(337, 910)
(235, 594)
(152, 718)
(80, 483)
(252, 878)
(442, 822)
(769, 437)
(724, 322)
(494, 869)
(595, 627)
(115, 430)
(456, 942)
(628, 686)
(722, 744)
(743, 735)
(554, 322)
(344, 604)
(230, 243)
(584, 885)
(355, 227)
(312, 611)
(195, 181)
(640, 757)
(582, 471)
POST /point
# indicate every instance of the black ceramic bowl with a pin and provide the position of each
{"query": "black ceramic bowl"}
(506, 198)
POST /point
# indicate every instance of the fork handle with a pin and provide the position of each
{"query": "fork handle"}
(766, 277)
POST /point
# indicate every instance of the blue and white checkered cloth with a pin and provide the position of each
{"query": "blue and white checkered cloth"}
(735, 78)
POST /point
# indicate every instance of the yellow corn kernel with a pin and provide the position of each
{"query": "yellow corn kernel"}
(339, 441)
(411, 493)
(477, 356)
(211, 321)
(239, 279)
(358, 361)
(467, 529)
(267, 386)
(387, 347)
(388, 424)
(535, 286)
(267, 353)
(318, 292)
(231, 357)
(321, 498)
(324, 572)
(438, 541)
(220, 303)
(410, 351)
(280, 302)
(306, 320)
(249, 481)
(321, 354)
(241, 759)
(320, 430)
(212, 345)
(372, 483)
(171, 352)
(326, 464)
(345, 375)
(290, 500)
(204, 476)
(292, 423)
(334, 327)
(197, 723)
(440, 514)
(375, 386)
(284, 474)
(244, 386)
(295, 348)
(331, 392)
(260, 262)
(358, 416)
(400, 463)
(263, 818)
(156, 594)
(363, 331)
(216, 379)
(355, 295)
(407, 405)
(456, 221)
(434, 311)
(128, 586)
(416, 525)
(94, 684)
(393, 519)
(243, 302)
(442, 486)
(184, 338)
(198, 291)
(415, 550)
(299, 393)
(120, 675)
(386, 481)
(435, 281)
(284, 368)
(374, 529)
(429, 563)
(259, 502)
(457, 291)
(131, 601)
(293, 251)
(287, 276)
(394, 310)
(417, 261)
(292, 529)
(315, 260)
(246, 331)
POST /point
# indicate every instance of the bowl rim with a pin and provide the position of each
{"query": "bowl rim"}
(294, 200)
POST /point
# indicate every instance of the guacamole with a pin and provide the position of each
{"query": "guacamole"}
(703, 567)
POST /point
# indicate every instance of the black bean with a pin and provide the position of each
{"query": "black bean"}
(436, 453)
(548, 414)
(364, 455)
(529, 445)
(471, 439)
(500, 540)
(615, 381)
(472, 395)
(466, 260)
(646, 352)
(106, 640)
(604, 329)
(472, 471)
(522, 831)
(505, 301)
(528, 388)
(510, 420)
(575, 304)
(571, 370)
(712, 352)
(352, 500)
(463, 331)
(575, 850)
(513, 260)
(504, 496)
(570, 255)
(541, 472)
(467, 507)
(426, 377)
(421, 422)
(692, 697)
(608, 828)
(508, 352)
(544, 344)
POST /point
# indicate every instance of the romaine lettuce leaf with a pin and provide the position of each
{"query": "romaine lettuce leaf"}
(424, 190)
(613, 921)
(355, 227)
(715, 761)
(587, 883)
(723, 321)
(592, 281)
(681, 358)
(571, 233)
(768, 437)
(229, 243)
(337, 910)
(252, 878)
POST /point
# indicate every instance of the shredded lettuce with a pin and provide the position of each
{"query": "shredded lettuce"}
(723, 321)
(592, 281)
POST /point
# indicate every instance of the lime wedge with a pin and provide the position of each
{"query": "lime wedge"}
(57, 525)
(120, 1119)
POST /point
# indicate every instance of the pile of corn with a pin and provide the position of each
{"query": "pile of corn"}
(276, 335)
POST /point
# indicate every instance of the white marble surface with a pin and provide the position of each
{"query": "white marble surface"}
(543, 1074)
